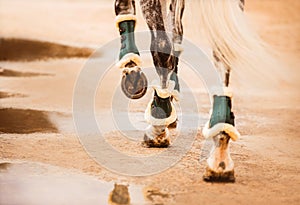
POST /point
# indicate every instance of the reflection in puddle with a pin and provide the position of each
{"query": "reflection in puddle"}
(34, 183)
(119, 195)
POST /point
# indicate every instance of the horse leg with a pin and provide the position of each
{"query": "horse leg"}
(176, 9)
(220, 128)
(176, 13)
(134, 82)
(160, 111)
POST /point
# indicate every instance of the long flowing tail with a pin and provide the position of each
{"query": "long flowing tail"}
(228, 32)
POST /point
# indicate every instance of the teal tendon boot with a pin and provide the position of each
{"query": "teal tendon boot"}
(221, 111)
(221, 119)
(134, 82)
(128, 46)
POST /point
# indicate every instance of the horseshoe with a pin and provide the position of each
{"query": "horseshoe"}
(134, 83)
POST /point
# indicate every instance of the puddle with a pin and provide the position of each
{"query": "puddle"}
(36, 183)
(29, 50)
(25, 121)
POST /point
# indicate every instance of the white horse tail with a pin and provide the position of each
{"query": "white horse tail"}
(228, 33)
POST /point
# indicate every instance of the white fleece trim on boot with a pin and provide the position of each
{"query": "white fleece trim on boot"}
(129, 57)
(129, 69)
(168, 92)
(220, 127)
(124, 17)
(159, 122)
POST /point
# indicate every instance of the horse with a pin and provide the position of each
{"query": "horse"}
(232, 45)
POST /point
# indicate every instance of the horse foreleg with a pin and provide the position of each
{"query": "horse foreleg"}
(160, 111)
(134, 82)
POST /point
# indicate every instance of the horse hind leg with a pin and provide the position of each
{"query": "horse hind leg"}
(221, 128)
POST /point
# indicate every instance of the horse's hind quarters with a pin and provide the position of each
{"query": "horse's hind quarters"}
(220, 167)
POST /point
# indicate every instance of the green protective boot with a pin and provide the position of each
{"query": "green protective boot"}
(159, 114)
(221, 119)
(221, 111)
(161, 108)
(126, 29)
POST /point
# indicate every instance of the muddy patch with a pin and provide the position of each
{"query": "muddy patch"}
(25, 121)
(13, 49)
(13, 73)
(4, 166)
(9, 95)
(4, 95)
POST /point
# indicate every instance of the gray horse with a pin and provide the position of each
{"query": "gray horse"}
(166, 48)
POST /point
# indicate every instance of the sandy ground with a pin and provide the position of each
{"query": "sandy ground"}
(36, 126)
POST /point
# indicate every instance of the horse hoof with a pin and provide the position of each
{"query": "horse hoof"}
(159, 142)
(134, 83)
(223, 176)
